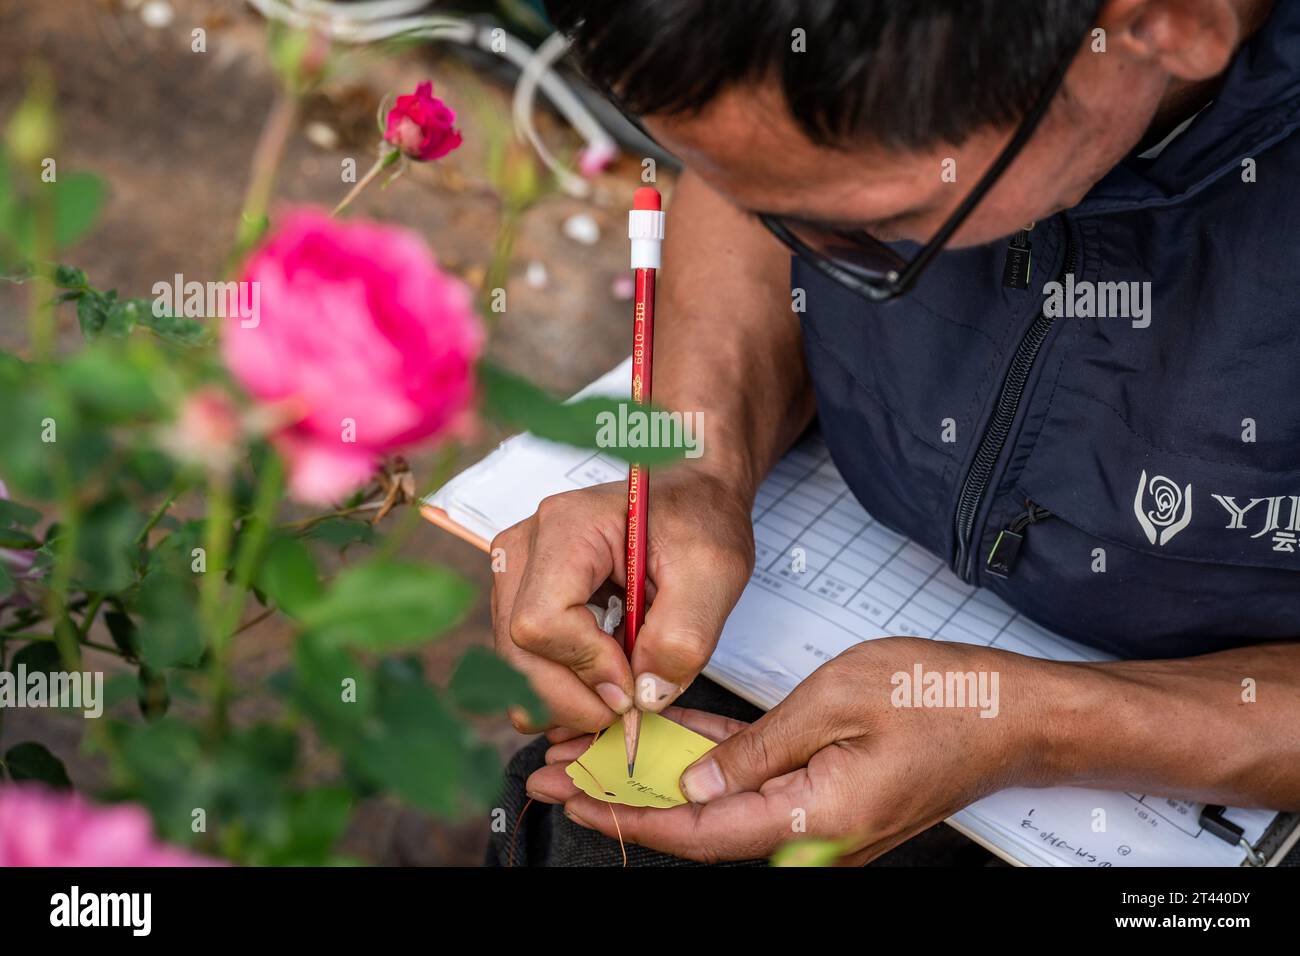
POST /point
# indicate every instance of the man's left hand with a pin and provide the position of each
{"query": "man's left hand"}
(842, 758)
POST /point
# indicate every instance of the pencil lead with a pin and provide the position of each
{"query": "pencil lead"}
(631, 771)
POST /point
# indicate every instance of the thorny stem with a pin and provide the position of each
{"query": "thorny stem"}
(386, 159)
(216, 544)
(225, 617)
(88, 618)
(65, 637)
(157, 516)
(270, 149)
(314, 520)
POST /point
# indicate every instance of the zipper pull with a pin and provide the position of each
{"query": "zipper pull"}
(1006, 549)
(1019, 262)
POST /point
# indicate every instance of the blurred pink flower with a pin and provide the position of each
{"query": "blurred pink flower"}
(421, 125)
(20, 566)
(42, 827)
(362, 332)
(592, 160)
(623, 287)
(17, 563)
(206, 431)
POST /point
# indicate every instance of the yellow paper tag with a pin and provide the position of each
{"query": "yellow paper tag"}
(665, 749)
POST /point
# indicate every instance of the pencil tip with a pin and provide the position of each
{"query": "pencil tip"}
(631, 770)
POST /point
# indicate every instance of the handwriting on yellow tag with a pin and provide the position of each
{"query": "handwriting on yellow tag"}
(664, 751)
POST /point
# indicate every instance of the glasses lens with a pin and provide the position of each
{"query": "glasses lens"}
(852, 250)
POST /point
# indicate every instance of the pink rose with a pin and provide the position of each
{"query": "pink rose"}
(42, 827)
(362, 334)
(420, 125)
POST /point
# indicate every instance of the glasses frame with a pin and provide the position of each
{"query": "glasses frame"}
(895, 284)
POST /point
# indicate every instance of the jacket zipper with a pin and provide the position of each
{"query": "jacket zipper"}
(997, 431)
(1006, 547)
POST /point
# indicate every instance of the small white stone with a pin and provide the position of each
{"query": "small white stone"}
(157, 14)
(582, 228)
(536, 275)
(321, 134)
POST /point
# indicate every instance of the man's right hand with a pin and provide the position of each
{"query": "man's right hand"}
(701, 551)
(742, 368)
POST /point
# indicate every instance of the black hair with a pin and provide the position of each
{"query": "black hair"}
(906, 73)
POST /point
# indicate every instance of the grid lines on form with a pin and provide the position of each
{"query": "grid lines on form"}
(866, 578)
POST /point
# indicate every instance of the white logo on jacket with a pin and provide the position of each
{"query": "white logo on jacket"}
(1172, 512)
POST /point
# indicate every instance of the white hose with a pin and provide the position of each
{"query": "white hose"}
(533, 70)
(375, 20)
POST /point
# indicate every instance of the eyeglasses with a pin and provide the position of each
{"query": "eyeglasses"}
(872, 268)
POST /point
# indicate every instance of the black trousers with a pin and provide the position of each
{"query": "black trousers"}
(546, 837)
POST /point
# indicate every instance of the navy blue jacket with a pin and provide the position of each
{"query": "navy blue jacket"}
(1167, 455)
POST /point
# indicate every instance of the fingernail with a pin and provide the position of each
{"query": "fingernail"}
(575, 818)
(703, 782)
(614, 697)
(653, 693)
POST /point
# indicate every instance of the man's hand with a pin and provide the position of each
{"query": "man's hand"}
(745, 375)
(701, 550)
(835, 760)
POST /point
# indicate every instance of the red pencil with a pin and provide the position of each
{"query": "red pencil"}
(646, 230)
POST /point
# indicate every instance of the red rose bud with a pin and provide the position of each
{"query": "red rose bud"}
(421, 125)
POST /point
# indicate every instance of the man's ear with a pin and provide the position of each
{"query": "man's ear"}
(1189, 39)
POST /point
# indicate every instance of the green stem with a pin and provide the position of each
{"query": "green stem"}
(107, 649)
(385, 160)
(41, 328)
(216, 548)
(226, 616)
(267, 155)
(498, 270)
(56, 607)
(157, 516)
(87, 619)
(253, 621)
(314, 520)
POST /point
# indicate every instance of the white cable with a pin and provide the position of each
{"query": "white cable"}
(535, 67)
(375, 20)
(365, 10)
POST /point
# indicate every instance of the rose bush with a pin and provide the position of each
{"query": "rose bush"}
(150, 521)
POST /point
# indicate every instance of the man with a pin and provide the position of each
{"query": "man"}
(1126, 401)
